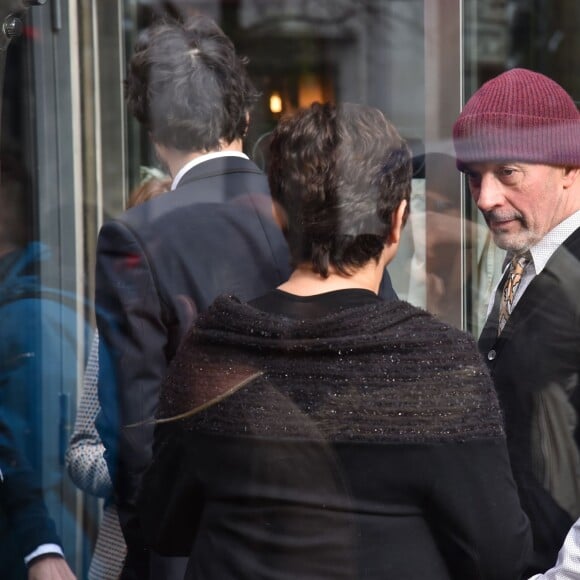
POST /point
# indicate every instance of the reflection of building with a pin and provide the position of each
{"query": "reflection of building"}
(307, 51)
(487, 38)
(490, 27)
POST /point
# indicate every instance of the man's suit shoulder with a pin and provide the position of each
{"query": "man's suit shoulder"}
(203, 191)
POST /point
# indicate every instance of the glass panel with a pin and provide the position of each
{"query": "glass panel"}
(70, 155)
(44, 333)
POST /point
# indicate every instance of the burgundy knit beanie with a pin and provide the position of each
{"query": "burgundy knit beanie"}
(519, 115)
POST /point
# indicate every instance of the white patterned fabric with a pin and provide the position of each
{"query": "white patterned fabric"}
(568, 564)
(110, 550)
(85, 462)
(87, 467)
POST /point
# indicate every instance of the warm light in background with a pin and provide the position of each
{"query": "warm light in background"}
(275, 102)
(310, 90)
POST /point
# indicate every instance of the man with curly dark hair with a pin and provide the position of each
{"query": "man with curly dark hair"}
(160, 263)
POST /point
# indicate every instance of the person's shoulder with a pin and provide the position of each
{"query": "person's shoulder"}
(222, 166)
(141, 221)
(406, 319)
(424, 323)
(225, 171)
(441, 364)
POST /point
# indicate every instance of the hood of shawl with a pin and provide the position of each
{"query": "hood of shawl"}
(230, 321)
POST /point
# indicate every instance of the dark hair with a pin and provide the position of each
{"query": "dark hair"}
(187, 86)
(339, 173)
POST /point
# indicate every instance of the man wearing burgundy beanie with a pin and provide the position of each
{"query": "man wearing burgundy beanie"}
(518, 142)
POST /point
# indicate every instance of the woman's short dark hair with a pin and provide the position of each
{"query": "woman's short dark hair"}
(187, 86)
(338, 173)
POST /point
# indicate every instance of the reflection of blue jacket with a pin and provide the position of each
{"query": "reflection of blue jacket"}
(38, 352)
(22, 508)
(38, 371)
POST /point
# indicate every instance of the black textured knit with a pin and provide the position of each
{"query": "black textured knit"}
(386, 371)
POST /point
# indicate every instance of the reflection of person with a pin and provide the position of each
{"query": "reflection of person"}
(24, 511)
(437, 230)
(161, 262)
(518, 141)
(438, 237)
(85, 459)
(29, 335)
(317, 429)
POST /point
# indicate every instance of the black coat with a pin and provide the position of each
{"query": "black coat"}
(158, 265)
(363, 444)
(535, 365)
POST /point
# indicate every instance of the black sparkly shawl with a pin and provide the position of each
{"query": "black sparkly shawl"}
(389, 372)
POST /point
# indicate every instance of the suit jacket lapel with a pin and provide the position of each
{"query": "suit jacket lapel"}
(217, 167)
(562, 272)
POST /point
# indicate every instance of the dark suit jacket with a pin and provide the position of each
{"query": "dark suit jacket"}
(535, 364)
(158, 265)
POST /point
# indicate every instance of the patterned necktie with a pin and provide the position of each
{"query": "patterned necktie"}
(514, 277)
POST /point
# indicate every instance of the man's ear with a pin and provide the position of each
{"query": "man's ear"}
(570, 176)
(398, 222)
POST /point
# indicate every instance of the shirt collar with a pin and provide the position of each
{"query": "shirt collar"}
(546, 247)
(201, 159)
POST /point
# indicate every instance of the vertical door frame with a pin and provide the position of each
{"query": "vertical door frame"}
(444, 95)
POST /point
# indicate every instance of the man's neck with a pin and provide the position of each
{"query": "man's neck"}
(175, 159)
(305, 282)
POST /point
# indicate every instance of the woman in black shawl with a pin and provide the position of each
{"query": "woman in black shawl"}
(318, 432)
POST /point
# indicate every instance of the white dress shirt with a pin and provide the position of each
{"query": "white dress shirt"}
(42, 550)
(205, 157)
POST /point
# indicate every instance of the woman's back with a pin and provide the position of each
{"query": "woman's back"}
(361, 443)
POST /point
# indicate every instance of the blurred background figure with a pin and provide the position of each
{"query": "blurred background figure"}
(442, 242)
